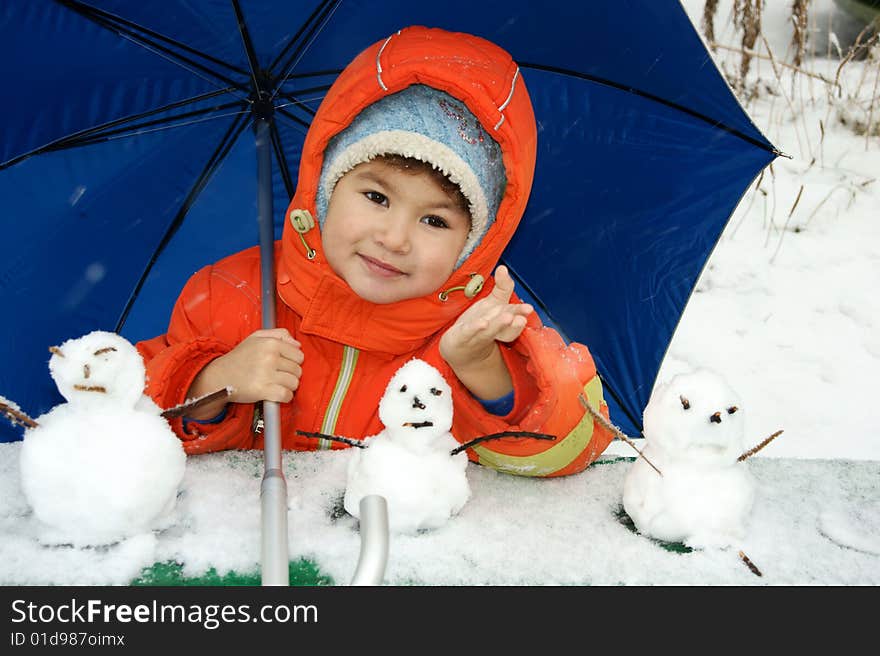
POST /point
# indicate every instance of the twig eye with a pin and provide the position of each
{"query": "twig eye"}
(403, 388)
(732, 409)
(106, 349)
(684, 402)
(436, 392)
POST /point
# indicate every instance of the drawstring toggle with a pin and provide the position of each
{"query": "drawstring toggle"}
(475, 284)
(303, 221)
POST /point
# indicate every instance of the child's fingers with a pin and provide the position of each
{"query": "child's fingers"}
(289, 366)
(487, 324)
(278, 394)
(485, 329)
(291, 352)
(276, 333)
(512, 330)
(521, 309)
(503, 285)
(287, 380)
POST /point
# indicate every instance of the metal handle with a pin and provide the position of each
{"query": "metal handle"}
(373, 558)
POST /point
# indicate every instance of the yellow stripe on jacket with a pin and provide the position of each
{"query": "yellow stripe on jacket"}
(560, 455)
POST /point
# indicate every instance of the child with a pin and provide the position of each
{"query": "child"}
(414, 175)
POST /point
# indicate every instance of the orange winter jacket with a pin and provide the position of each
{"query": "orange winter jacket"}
(352, 347)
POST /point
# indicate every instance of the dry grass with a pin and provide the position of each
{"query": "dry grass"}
(841, 85)
(852, 103)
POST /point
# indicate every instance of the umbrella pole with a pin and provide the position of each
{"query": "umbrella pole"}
(273, 490)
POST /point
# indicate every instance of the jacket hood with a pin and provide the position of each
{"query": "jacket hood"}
(487, 81)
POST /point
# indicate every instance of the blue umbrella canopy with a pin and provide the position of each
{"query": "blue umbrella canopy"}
(127, 161)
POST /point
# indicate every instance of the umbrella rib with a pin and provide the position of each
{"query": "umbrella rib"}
(112, 18)
(299, 103)
(296, 76)
(248, 49)
(293, 118)
(138, 129)
(606, 386)
(318, 10)
(305, 43)
(238, 126)
(532, 293)
(655, 98)
(282, 161)
(60, 144)
(168, 54)
(288, 95)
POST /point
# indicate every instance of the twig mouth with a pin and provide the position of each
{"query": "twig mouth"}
(90, 388)
(419, 424)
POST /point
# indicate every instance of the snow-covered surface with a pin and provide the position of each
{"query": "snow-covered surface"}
(786, 309)
(814, 522)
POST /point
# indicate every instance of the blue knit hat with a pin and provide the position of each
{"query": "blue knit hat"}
(429, 125)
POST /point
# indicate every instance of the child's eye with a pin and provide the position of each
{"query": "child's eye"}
(376, 197)
(435, 221)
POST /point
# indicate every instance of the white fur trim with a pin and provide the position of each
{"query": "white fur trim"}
(417, 146)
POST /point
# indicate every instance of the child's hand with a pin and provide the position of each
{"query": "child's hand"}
(469, 345)
(266, 366)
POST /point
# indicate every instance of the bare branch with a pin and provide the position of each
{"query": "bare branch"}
(758, 55)
(334, 438)
(182, 408)
(760, 446)
(498, 436)
(14, 414)
(750, 564)
(614, 429)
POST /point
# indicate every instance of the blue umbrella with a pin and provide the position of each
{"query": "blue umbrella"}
(128, 159)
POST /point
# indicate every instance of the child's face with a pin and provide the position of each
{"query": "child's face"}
(391, 234)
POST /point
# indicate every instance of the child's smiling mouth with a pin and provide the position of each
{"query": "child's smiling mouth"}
(380, 268)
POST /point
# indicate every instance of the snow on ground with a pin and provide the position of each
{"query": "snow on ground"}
(786, 310)
(813, 524)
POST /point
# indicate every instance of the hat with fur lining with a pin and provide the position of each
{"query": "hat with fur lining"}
(429, 125)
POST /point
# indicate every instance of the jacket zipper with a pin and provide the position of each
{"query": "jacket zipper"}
(343, 381)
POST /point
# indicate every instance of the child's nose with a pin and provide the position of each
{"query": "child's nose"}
(393, 234)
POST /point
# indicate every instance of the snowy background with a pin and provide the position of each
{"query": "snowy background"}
(787, 310)
(787, 307)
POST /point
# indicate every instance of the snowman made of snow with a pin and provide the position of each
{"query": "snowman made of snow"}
(105, 465)
(703, 493)
(409, 462)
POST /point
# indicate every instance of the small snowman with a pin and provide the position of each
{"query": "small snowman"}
(694, 435)
(414, 463)
(105, 465)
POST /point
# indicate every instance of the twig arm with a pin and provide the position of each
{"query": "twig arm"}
(760, 446)
(752, 567)
(14, 414)
(496, 436)
(191, 404)
(614, 429)
(335, 438)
